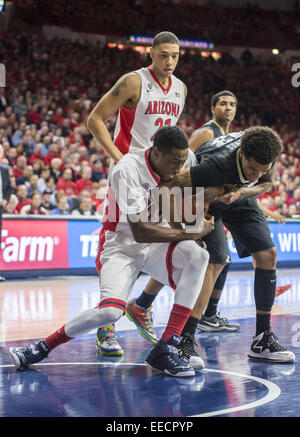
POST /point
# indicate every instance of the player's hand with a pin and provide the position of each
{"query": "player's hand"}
(229, 197)
(279, 218)
(206, 228)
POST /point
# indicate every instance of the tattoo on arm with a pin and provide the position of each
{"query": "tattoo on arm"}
(116, 89)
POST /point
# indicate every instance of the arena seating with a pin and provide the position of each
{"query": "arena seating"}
(52, 85)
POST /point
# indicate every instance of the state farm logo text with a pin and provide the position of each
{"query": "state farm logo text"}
(27, 248)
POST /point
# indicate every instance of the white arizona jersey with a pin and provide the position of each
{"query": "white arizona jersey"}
(129, 192)
(157, 107)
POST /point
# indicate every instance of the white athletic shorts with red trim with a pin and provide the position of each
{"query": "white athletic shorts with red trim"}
(179, 265)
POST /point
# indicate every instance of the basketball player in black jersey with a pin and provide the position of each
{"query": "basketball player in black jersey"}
(223, 108)
(246, 160)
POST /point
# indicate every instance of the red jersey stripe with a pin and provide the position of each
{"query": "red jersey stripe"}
(124, 137)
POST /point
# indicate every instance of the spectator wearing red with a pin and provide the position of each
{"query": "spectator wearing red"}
(76, 137)
(58, 117)
(85, 183)
(33, 116)
(34, 208)
(38, 154)
(22, 197)
(66, 184)
(18, 169)
(54, 152)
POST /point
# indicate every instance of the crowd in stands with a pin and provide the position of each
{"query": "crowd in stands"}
(55, 164)
(248, 25)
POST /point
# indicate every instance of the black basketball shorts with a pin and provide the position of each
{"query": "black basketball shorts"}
(247, 225)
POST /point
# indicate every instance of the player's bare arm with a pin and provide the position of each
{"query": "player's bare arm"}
(263, 184)
(145, 232)
(199, 137)
(183, 179)
(185, 90)
(126, 92)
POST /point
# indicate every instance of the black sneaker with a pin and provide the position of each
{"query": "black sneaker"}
(165, 358)
(186, 349)
(216, 324)
(32, 353)
(265, 347)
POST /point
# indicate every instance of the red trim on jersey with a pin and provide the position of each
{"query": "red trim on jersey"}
(124, 137)
(100, 249)
(165, 90)
(169, 264)
(111, 216)
(152, 172)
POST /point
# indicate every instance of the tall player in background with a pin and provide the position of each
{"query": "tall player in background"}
(147, 99)
(223, 108)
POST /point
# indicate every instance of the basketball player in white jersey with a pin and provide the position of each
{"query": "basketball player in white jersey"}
(147, 99)
(133, 243)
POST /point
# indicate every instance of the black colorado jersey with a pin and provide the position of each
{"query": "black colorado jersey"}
(219, 163)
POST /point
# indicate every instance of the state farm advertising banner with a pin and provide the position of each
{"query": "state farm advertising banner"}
(42, 244)
(34, 245)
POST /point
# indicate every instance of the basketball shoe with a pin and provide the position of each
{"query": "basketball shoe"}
(265, 347)
(143, 319)
(32, 353)
(216, 324)
(186, 348)
(165, 358)
(107, 343)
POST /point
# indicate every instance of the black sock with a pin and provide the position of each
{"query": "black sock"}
(145, 300)
(262, 323)
(190, 326)
(211, 308)
(264, 295)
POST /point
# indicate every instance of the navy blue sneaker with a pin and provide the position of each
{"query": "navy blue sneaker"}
(32, 353)
(165, 358)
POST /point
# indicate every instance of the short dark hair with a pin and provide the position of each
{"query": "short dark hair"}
(215, 98)
(261, 143)
(165, 38)
(169, 137)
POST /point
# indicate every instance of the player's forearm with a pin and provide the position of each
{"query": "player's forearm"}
(182, 179)
(101, 134)
(255, 190)
(149, 233)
